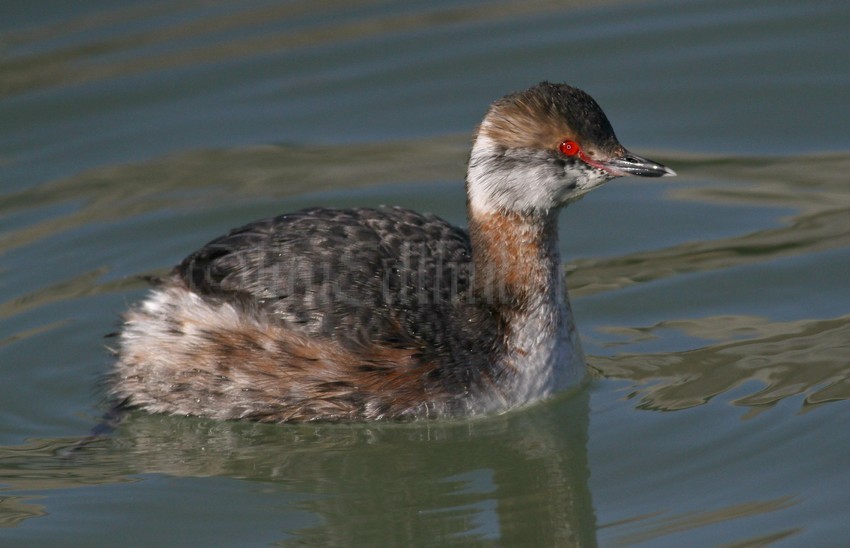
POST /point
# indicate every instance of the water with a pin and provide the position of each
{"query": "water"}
(713, 306)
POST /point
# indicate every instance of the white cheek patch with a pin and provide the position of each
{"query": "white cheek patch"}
(497, 182)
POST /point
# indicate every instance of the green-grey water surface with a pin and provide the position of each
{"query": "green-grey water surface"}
(714, 307)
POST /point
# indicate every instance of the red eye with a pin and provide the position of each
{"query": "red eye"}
(569, 148)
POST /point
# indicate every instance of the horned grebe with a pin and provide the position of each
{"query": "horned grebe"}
(351, 314)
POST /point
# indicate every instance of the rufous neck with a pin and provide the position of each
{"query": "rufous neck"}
(515, 255)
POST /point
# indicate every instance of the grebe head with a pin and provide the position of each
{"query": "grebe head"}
(544, 147)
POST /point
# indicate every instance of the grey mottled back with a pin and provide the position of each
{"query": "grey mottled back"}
(387, 276)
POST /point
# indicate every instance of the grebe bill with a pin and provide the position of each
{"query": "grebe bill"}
(365, 314)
